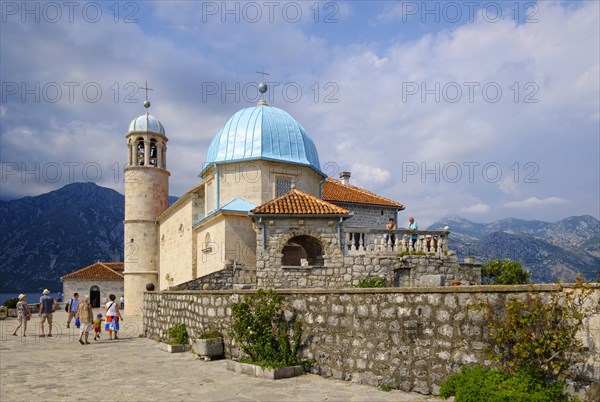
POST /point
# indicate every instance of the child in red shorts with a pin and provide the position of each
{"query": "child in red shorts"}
(98, 326)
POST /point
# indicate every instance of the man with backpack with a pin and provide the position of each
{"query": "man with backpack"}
(72, 306)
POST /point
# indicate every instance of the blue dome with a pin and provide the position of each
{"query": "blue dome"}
(263, 132)
(146, 123)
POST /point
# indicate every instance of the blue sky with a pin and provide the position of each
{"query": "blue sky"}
(480, 109)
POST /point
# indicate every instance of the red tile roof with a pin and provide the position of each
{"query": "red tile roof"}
(335, 191)
(191, 190)
(297, 202)
(99, 270)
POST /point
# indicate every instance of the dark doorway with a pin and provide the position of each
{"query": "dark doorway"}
(300, 248)
(95, 296)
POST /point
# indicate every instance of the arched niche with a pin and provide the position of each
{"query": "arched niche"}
(302, 250)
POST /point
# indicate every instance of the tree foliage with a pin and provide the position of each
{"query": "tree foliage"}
(262, 331)
(504, 272)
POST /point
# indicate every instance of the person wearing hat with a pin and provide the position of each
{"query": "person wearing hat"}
(23, 314)
(47, 305)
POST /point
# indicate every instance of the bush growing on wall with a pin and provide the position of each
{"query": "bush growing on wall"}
(533, 342)
(372, 282)
(262, 331)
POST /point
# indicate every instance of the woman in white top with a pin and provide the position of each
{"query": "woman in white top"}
(113, 315)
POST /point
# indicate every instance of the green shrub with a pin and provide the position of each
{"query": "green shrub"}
(177, 335)
(534, 346)
(372, 282)
(479, 384)
(11, 303)
(504, 272)
(263, 333)
(540, 332)
(212, 334)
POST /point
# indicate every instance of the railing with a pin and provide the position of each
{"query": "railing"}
(358, 241)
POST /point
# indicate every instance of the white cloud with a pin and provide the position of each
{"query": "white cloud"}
(536, 202)
(366, 175)
(508, 185)
(375, 125)
(476, 209)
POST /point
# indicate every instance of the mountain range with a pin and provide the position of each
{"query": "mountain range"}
(45, 237)
(549, 250)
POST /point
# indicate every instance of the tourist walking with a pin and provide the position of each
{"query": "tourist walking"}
(72, 306)
(122, 302)
(47, 305)
(85, 315)
(113, 315)
(23, 314)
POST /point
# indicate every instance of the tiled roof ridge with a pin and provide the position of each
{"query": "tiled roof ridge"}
(381, 200)
(110, 272)
(288, 203)
(194, 188)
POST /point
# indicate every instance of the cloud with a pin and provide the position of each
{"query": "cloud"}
(365, 174)
(508, 185)
(357, 104)
(536, 202)
(476, 209)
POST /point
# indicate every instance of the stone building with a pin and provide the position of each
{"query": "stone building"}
(264, 214)
(97, 281)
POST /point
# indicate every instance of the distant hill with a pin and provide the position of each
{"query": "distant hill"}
(549, 250)
(45, 237)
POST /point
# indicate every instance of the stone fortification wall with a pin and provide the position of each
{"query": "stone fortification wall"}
(340, 272)
(410, 338)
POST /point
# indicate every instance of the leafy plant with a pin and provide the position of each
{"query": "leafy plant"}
(372, 282)
(384, 388)
(480, 384)
(263, 333)
(178, 335)
(540, 332)
(212, 334)
(504, 272)
(11, 303)
(534, 346)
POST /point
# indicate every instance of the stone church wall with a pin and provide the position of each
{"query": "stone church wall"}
(368, 216)
(83, 286)
(175, 246)
(411, 339)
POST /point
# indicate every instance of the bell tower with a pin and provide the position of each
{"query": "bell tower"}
(146, 197)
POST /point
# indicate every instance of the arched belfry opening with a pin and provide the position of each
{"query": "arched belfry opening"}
(302, 250)
(153, 152)
(140, 151)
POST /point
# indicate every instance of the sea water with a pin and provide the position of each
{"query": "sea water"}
(32, 297)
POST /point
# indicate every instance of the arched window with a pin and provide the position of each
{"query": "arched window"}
(302, 250)
(153, 152)
(140, 151)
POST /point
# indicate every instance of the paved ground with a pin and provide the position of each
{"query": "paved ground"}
(136, 369)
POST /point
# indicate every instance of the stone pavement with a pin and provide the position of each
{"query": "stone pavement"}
(136, 369)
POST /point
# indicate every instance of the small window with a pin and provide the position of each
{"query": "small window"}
(282, 186)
